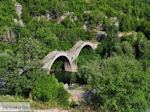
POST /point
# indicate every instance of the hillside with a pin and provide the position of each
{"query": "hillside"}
(116, 74)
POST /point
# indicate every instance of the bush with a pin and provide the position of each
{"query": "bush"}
(144, 53)
(7, 12)
(88, 71)
(144, 48)
(39, 7)
(145, 28)
(121, 86)
(48, 89)
(62, 96)
(117, 49)
(127, 48)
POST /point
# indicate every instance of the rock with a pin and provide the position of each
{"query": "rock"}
(84, 27)
(100, 27)
(76, 95)
(66, 86)
(48, 16)
(87, 12)
(122, 34)
(70, 15)
(9, 36)
(101, 35)
(115, 21)
(18, 9)
(19, 12)
(21, 22)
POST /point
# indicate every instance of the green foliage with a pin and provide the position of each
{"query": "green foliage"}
(88, 72)
(144, 47)
(88, 66)
(127, 48)
(117, 81)
(48, 89)
(25, 61)
(144, 53)
(37, 7)
(121, 86)
(145, 28)
(43, 34)
(6, 58)
(7, 12)
(128, 23)
(28, 53)
(118, 49)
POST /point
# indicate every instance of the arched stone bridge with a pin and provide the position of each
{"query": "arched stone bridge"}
(67, 56)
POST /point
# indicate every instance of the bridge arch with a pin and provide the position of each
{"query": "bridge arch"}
(66, 62)
(87, 46)
(50, 59)
(75, 51)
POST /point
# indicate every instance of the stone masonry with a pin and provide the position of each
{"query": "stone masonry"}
(70, 56)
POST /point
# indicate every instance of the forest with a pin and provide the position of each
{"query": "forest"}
(118, 70)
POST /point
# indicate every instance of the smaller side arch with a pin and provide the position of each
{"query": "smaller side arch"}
(75, 51)
(85, 45)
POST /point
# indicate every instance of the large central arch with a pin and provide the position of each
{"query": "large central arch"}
(50, 59)
(66, 62)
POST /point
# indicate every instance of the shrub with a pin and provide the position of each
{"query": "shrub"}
(145, 28)
(117, 49)
(39, 7)
(144, 48)
(48, 89)
(62, 96)
(88, 71)
(121, 86)
(127, 48)
(7, 12)
(144, 53)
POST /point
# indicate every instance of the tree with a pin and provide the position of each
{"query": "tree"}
(144, 53)
(127, 49)
(38, 7)
(18, 75)
(121, 85)
(7, 12)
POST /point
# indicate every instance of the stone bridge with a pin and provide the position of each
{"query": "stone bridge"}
(68, 57)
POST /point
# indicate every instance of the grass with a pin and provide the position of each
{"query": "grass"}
(46, 105)
(34, 104)
(8, 98)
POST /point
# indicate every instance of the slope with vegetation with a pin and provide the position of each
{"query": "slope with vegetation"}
(119, 69)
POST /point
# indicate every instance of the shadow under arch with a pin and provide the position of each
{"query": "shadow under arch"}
(84, 55)
(65, 64)
(61, 68)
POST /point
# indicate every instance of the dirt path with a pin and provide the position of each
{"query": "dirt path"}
(76, 94)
